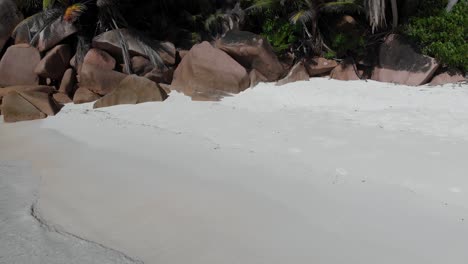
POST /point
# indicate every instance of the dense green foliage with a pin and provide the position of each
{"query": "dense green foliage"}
(280, 33)
(333, 28)
(443, 35)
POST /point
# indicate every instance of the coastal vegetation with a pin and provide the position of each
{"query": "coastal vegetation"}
(302, 27)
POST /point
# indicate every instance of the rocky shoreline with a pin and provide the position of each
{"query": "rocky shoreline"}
(38, 79)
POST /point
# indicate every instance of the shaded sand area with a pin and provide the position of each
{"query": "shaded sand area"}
(315, 172)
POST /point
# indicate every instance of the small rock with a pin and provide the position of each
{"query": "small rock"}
(345, 72)
(447, 77)
(253, 52)
(84, 95)
(100, 58)
(15, 108)
(68, 83)
(297, 73)
(62, 98)
(319, 66)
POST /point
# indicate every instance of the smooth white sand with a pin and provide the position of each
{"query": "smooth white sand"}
(312, 172)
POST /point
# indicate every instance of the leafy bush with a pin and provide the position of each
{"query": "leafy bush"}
(280, 33)
(443, 35)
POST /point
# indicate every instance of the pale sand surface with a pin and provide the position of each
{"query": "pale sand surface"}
(312, 172)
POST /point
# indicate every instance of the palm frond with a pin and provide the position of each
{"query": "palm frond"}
(50, 15)
(36, 23)
(262, 4)
(302, 16)
(82, 47)
(151, 48)
(342, 6)
(73, 12)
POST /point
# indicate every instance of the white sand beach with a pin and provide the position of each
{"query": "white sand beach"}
(322, 171)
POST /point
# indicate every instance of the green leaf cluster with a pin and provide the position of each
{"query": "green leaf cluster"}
(280, 33)
(443, 35)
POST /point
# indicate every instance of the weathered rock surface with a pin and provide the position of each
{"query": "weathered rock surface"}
(98, 80)
(10, 16)
(15, 108)
(400, 63)
(161, 75)
(27, 88)
(83, 95)
(182, 53)
(141, 65)
(55, 33)
(62, 98)
(42, 101)
(55, 63)
(18, 64)
(447, 77)
(297, 73)
(100, 59)
(133, 90)
(68, 83)
(256, 78)
(319, 66)
(345, 72)
(253, 52)
(206, 69)
(110, 42)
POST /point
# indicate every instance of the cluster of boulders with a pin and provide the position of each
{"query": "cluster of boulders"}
(35, 81)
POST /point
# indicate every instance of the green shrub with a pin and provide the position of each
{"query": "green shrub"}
(280, 33)
(443, 35)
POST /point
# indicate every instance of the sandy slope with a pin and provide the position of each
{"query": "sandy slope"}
(312, 172)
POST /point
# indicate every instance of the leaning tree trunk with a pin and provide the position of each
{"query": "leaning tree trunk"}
(451, 4)
(394, 13)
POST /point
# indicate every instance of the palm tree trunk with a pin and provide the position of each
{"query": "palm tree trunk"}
(451, 4)
(394, 13)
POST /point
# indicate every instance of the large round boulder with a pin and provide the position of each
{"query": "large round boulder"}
(55, 33)
(133, 90)
(55, 63)
(110, 42)
(100, 58)
(206, 69)
(10, 16)
(18, 64)
(399, 62)
(253, 52)
(99, 80)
